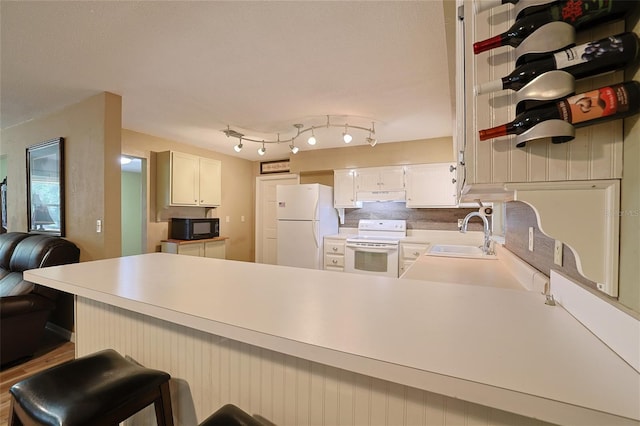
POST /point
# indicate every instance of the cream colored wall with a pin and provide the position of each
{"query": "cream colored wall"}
(237, 193)
(91, 130)
(629, 288)
(438, 150)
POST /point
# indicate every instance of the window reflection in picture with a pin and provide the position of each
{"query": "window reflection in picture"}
(45, 187)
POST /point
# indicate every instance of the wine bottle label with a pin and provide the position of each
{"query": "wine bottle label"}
(576, 12)
(588, 52)
(595, 104)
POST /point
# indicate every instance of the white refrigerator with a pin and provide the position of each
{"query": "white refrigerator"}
(305, 216)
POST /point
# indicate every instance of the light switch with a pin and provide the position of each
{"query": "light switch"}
(98, 226)
(227, 219)
(241, 218)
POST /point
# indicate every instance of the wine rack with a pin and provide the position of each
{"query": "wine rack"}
(493, 169)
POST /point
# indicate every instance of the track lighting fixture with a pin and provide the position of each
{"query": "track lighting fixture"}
(346, 136)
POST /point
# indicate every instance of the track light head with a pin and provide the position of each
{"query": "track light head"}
(262, 150)
(346, 137)
(294, 149)
(372, 141)
(312, 139)
(238, 147)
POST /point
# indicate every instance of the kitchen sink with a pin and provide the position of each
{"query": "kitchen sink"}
(454, 250)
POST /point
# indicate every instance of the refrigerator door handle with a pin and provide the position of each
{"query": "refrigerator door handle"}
(315, 234)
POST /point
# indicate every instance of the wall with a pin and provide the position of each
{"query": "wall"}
(91, 130)
(439, 150)
(237, 194)
(131, 213)
(629, 290)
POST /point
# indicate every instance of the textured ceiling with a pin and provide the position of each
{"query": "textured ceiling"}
(187, 69)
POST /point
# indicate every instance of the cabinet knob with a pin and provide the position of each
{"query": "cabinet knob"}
(452, 168)
(453, 180)
(334, 261)
(416, 253)
(334, 249)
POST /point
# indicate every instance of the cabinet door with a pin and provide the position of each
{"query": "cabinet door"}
(209, 182)
(431, 185)
(368, 179)
(391, 178)
(344, 189)
(191, 249)
(184, 179)
(215, 249)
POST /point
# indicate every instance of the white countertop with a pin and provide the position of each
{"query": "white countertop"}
(497, 347)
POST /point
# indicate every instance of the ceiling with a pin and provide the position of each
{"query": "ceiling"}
(188, 69)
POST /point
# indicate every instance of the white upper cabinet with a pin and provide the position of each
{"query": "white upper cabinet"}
(373, 179)
(344, 189)
(187, 180)
(209, 182)
(431, 185)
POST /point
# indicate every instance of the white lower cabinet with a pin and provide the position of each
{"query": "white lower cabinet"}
(215, 248)
(409, 252)
(334, 254)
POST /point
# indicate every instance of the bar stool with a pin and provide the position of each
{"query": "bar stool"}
(99, 389)
(230, 415)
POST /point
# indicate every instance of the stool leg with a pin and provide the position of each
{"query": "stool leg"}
(164, 414)
(13, 417)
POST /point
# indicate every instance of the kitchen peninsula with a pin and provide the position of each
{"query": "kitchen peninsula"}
(302, 346)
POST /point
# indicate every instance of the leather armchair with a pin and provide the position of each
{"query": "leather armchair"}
(24, 306)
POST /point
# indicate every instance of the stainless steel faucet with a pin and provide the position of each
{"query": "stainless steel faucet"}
(486, 247)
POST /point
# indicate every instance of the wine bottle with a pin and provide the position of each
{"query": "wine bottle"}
(578, 13)
(603, 104)
(595, 57)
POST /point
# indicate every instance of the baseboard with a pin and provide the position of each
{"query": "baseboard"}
(62, 332)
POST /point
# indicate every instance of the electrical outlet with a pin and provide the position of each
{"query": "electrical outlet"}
(557, 253)
(531, 238)
(98, 226)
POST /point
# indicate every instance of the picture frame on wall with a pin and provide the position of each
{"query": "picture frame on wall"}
(278, 166)
(45, 188)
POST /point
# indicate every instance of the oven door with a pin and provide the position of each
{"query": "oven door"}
(364, 258)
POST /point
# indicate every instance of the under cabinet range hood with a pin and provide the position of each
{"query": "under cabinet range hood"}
(368, 196)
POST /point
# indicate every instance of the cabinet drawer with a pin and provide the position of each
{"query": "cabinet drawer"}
(333, 248)
(334, 260)
(413, 251)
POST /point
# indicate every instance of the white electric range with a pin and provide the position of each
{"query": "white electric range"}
(375, 250)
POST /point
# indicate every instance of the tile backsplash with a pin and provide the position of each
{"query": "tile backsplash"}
(427, 219)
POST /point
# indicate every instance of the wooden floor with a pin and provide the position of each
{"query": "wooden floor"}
(53, 351)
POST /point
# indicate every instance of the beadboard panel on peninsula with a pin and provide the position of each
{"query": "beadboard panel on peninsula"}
(285, 390)
(595, 153)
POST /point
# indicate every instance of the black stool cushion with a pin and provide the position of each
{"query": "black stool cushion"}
(230, 415)
(86, 388)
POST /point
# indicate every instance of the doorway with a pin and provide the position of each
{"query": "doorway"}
(266, 215)
(134, 206)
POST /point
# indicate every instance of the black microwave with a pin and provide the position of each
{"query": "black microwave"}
(186, 228)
